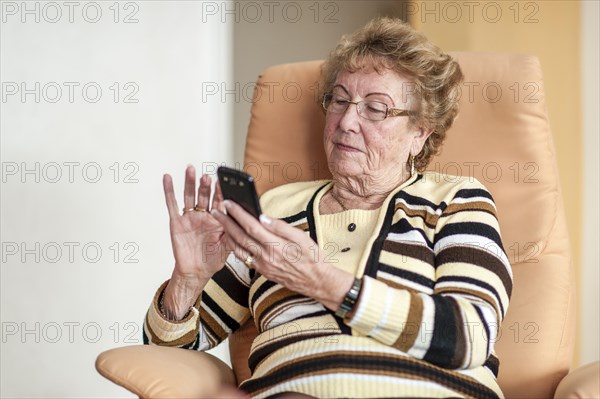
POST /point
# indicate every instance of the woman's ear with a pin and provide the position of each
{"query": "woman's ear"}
(419, 139)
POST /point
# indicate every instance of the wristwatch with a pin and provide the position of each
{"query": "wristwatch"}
(350, 299)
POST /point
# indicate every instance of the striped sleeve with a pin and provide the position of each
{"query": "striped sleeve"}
(219, 311)
(456, 324)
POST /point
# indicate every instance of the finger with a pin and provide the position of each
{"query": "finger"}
(281, 228)
(204, 192)
(218, 198)
(236, 234)
(252, 227)
(170, 196)
(189, 191)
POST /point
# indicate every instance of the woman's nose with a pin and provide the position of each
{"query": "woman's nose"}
(350, 120)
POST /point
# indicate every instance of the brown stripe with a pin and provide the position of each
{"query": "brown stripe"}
(429, 218)
(478, 206)
(302, 226)
(271, 299)
(396, 285)
(415, 251)
(409, 333)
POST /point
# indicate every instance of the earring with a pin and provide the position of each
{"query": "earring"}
(412, 165)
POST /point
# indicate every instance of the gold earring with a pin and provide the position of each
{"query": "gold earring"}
(412, 165)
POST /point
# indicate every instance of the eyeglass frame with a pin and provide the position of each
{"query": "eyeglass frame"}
(389, 111)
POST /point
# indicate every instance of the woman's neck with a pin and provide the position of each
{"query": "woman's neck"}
(357, 193)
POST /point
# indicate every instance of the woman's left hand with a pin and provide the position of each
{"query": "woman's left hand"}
(283, 254)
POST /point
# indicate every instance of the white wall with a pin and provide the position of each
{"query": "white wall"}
(59, 310)
(590, 275)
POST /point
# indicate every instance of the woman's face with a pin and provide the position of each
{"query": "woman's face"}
(362, 148)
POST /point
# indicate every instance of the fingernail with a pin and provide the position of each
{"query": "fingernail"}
(227, 203)
(214, 212)
(264, 219)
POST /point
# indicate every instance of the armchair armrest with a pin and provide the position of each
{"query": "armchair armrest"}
(583, 382)
(151, 371)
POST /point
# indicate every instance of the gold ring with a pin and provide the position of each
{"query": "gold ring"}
(198, 209)
(249, 260)
(187, 210)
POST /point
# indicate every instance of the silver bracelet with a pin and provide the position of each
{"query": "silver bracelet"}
(350, 299)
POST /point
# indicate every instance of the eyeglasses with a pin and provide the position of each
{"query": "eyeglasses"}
(371, 110)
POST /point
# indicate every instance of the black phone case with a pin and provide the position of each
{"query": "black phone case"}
(238, 186)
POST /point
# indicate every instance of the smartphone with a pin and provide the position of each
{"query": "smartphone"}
(238, 186)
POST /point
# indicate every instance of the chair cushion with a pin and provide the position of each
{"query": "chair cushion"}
(162, 372)
(582, 383)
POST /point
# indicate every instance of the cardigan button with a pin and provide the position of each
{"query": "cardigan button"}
(351, 227)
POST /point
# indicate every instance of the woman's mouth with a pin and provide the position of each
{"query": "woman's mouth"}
(345, 147)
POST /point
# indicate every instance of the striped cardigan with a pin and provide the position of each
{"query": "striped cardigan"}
(436, 286)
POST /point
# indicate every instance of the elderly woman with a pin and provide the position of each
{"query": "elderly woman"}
(385, 281)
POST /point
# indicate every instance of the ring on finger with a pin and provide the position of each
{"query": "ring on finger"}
(249, 261)
(188, 210)
(198, 209)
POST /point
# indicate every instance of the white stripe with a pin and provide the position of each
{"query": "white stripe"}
(425, 334)
(410, 236)
(474, 240)
(386, 311)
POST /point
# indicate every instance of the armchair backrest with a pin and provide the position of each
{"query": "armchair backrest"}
(501, 137)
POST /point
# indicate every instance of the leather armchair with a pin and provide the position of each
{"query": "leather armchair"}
(502, 137)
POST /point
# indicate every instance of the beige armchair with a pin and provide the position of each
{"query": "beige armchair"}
(502, 137)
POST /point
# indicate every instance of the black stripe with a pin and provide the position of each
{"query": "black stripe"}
(310, 216)
(145, 338)
(294, 218)
(472, 193)
(479, 257)
(220, 313)
(232, 286)
(403, 226)
(472, 228)
(443, 342)
(261, 290)
(476, 282)
(421, 201)
(487, 329)
(375, 362)
(373, 261)
(493, 363)
(407, 275)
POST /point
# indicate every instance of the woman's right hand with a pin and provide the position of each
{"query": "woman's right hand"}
(197, 238)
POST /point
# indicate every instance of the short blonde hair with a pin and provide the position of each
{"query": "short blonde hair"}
(386, 43)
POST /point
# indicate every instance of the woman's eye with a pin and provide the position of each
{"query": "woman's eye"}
(375, 108)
